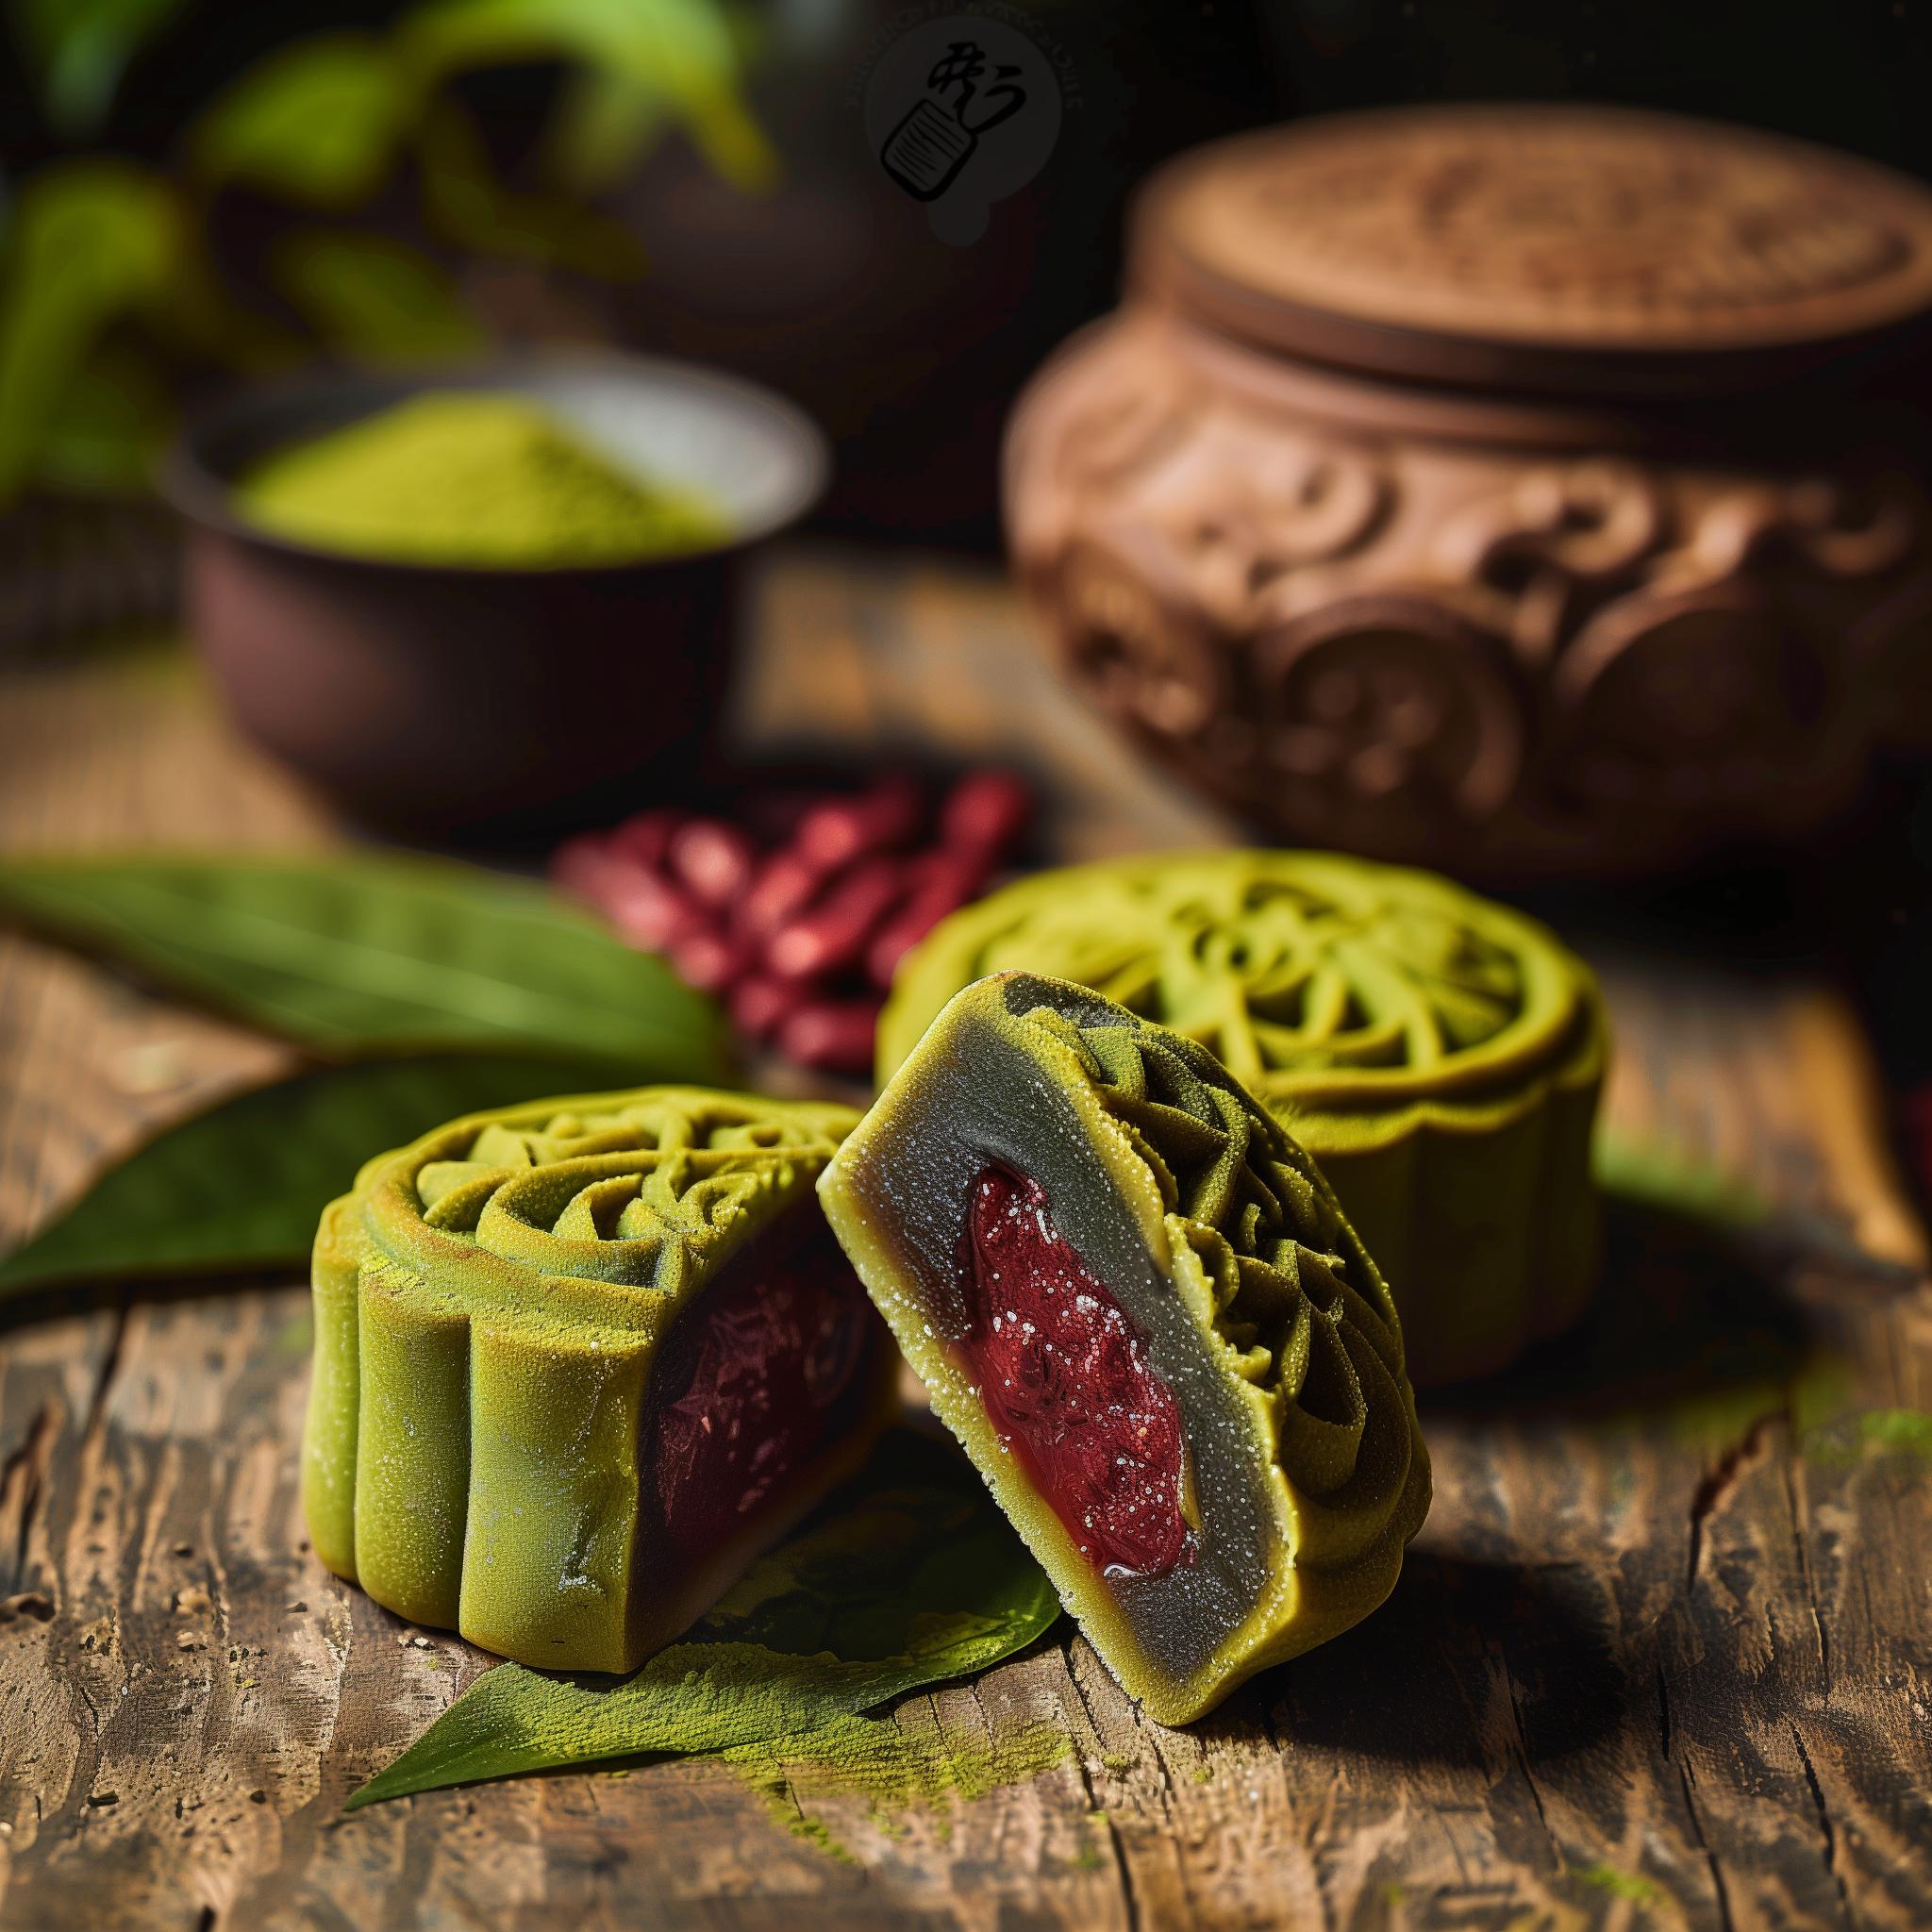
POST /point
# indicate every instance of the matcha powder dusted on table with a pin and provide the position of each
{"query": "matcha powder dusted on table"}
(462, 477)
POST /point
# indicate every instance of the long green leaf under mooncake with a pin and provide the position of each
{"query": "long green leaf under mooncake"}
(1136, 1302)
(578, 1362)
(1441, 1055)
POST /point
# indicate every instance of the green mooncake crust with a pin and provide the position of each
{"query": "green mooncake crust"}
(491, 1306)
(1261, 1312)
(1441, 1055)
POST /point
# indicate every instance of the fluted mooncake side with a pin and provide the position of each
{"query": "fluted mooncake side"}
(1439, 1054)
(1137, 1304)
(577, 1362)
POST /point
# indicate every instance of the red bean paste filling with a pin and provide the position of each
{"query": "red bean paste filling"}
(1063, 1376)
(757, 1379)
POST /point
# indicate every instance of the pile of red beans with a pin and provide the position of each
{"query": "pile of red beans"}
(795, 910)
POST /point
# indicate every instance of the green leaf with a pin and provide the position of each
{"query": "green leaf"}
(680, 51)
(86, 242)
(82, 48)
(242, 1185)
(319, 121)
(376, 299)
(358, 952)
(914, 1580)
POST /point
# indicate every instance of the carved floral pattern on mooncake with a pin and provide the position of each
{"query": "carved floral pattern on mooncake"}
(1439, 1055)
(502, 1310)
(1306, 1319)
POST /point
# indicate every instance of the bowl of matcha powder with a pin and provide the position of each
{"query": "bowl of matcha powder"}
(492, 602)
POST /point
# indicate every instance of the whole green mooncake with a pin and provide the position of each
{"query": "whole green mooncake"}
(1137, 1303)
(1439, 1055)
(579, 1362)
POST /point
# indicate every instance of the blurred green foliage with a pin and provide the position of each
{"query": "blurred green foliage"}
(109, 280)
(86, 243)
(318, 122)
(642, 59)
(80, 48)
(373, 298)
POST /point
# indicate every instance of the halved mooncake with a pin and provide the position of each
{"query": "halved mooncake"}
(1136, 1302)
(578, 1362)
(1439, 1054)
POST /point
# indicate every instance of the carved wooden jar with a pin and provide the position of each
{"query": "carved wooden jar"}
(1519, 490)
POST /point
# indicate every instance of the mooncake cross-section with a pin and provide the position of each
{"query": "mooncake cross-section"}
(578, 1362)
(1439, 1054)
(1138, 1305)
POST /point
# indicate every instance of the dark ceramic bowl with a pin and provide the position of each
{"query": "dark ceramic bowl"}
(438, 699)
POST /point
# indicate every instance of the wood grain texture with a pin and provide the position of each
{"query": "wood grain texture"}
(1661, 1656)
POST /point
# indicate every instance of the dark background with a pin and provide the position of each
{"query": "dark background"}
(782, 285)
(832, 288)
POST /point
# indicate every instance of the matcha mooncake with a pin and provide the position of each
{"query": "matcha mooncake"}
(1136, 1302)
(578, 1362)
(1439, 1055)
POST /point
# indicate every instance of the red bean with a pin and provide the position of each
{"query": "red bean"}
(709, 961)
(835, 897)
(950, 875)
(844, 829)
(772, 814)
(898, 939)
(986, 811)
(645, 910)
(760, 1003)
(831, 935)
(892, 945)
(783, 886)
(712, 860)
(833, 1035)
(945, 881)
(582, 865)
(645, 837)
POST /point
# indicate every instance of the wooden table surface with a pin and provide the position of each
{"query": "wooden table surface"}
(1661, 1656)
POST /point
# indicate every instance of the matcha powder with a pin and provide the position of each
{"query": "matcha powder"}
(471, 478)
(889, 1769)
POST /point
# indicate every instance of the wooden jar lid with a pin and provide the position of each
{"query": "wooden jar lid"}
(1566, 249)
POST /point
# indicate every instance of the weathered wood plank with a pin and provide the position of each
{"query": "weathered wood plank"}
(1661, 1656)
